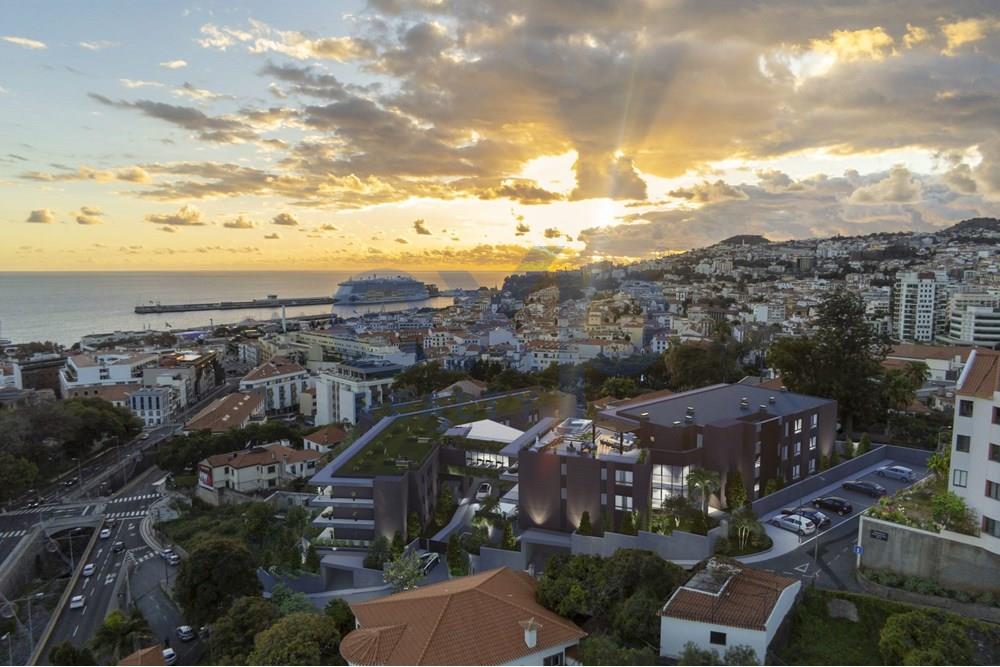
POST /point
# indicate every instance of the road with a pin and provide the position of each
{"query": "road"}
(828, 558)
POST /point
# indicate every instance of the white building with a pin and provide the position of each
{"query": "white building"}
(919, 306)
(155, 406)
(84, 370)
(254, 469)
(325, 439)
(280, 380)
(344, 391)
(975, 455)
(974, 319)
(726, 604)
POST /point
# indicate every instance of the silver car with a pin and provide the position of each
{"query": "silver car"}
(901, 473)
(794, 523)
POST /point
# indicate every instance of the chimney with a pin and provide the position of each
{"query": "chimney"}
(530, 632)
(771, 400)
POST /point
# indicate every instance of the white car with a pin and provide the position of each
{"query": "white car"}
(901, 473)
(88, 569)
(169, 656)
(77, 602)
(484, 492)
(105, 533)
(794, 523)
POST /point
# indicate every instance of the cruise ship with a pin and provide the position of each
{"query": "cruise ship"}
(382, 289)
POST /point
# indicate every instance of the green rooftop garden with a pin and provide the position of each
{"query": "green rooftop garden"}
(409, 438)
(492, 446)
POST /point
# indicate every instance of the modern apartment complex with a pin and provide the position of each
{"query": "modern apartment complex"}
(975, 455)
(104, 369)
(919, 306)
(344, 391)
(155, 406)
(280, 380)
(635, 455)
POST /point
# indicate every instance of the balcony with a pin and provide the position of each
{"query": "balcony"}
(323, 500)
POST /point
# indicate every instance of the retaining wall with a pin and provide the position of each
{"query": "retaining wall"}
(982, 612)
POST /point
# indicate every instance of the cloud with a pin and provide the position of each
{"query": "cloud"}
(208, 128)
(174, 64)
(850, 45)
(273, 236)
(185, 216)
(286, 219)
(169, 230)
(553, 233)
(89, 215)
(967, 31)
(899, 187)
(98, 45)
(42, 215)
(188, 90)
(420, 227)
(706, 192)
(139, 83)
(402, 241)
(240, 222)
(328, 227)
(24, 41)
(521, 229)
(133, 174)
(262, 38)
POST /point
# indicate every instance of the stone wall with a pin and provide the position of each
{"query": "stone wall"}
(982, 612)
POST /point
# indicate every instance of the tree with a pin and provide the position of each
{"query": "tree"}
(67, 654)
(834, 456)
(901, 385)
(338, 610)
(508, 541)
(636, 621)
(740, 654)
(744, 525)
(619, 387)
(413, 526)
(378, 553)
(736, 492)
(705, 483)
(312, 559)
(290, 602)
(864, 445)
(939, 463)
(298, 639)
(120, 635)
(233, 633)
(773, 484)
(627, 526)
(458, 559)
(600, 649)
(923, 637)
(17, 474)
(396, 547)
(585, 528)
(692, 655)
(842, 360)
(403, 573)
(217, 571)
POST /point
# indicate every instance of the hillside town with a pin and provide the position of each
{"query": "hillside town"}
(681, 460)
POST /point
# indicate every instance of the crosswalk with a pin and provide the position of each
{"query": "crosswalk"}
(33, 510)
(145, 496)
(126, 515)
(12, 533)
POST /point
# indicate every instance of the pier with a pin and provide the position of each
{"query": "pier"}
(271, 301)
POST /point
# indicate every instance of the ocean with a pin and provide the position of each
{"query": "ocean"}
(63, 306)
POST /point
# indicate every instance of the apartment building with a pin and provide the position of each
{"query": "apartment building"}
(155, 406)
(975, 455)
(346, 390)
(255, 469)
(103, 369)
(635, 455)
(336, 346)
(973, 319)
(919, 306)
(280, 381)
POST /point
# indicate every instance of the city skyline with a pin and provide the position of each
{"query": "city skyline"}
(500, 135)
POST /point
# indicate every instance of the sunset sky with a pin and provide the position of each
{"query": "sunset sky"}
(494, 134)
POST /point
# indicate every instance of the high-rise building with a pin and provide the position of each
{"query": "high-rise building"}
(919, 306)
(974, 319)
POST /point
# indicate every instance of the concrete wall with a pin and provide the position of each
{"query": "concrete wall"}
(794, 493)
(676, 632)
(982, 612)
(950, 559)
(676, 546)
(490, 559)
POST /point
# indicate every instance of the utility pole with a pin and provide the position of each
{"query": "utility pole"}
(10, 648)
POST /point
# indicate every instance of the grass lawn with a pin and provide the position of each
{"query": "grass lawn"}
(411, 438)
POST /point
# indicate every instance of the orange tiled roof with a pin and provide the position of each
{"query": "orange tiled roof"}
(274, 367)
(328, 435)
(475, 620)
(259, 456)
(226, 412)
(151, 655)
(915, 351)
(982, 378)
(745, 601)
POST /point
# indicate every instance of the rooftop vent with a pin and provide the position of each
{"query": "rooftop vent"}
(771, 400)
(744, 403)
(530, 632)
(689, 411)
(763, 407)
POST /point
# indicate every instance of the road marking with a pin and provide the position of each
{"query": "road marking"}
(109, 579)
(76, 630)
(804, 568)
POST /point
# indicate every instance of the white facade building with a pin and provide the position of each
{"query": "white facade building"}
(155, 406)
(281, 381)
(919, 306)
(344, 391)
(84, 370)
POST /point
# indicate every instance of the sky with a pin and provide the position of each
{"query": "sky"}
(493, 135)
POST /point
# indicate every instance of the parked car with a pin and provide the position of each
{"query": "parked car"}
(88, 569)
(174, 559)
(794, 523)
(185, 633)
(901, 473)
(144, 436)
(484, 492)
(429, 561)
(167, 553)
(32, 504)
(821, 520)
(77, 602)
(70, 482)
(169, 656)
(868, 488)
(118, 547)
(834, 504)
(105, 533)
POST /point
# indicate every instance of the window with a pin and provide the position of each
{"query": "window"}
(994, 452)
(623, 503)
(554, 659)
(814, 421)
(717, 638)
(996, 415)
(962, 443)
(562, 493)
(795, 471)
(786, 429)
(623, 477)
(562, 469)
(798, 425)
(812, 465)
(812, 443)
(604, 473)
(965, 408)
(992, 490)
(784, 452)
(960, 478)
(270, 469)
(798, 448)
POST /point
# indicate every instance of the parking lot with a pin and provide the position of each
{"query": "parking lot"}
(786, 541)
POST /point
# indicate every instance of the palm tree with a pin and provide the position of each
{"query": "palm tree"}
(120, 634)
(744, 524)
(706, 482)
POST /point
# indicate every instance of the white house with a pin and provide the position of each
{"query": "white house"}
(254, 469)
(280, 380)
(726, 604)
(85, 370)
(324, 439)
(975, 454)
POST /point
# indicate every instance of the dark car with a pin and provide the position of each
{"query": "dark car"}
(118, 547)
(834, 504)
(821, 520)
(868, 488)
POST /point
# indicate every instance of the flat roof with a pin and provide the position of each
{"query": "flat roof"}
(720, 403)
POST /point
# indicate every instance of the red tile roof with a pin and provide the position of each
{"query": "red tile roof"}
(475, 620)
(259, 456)
(329, 435)
(943, 353)
(274, 367)
(982, 378)
(227, 412)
